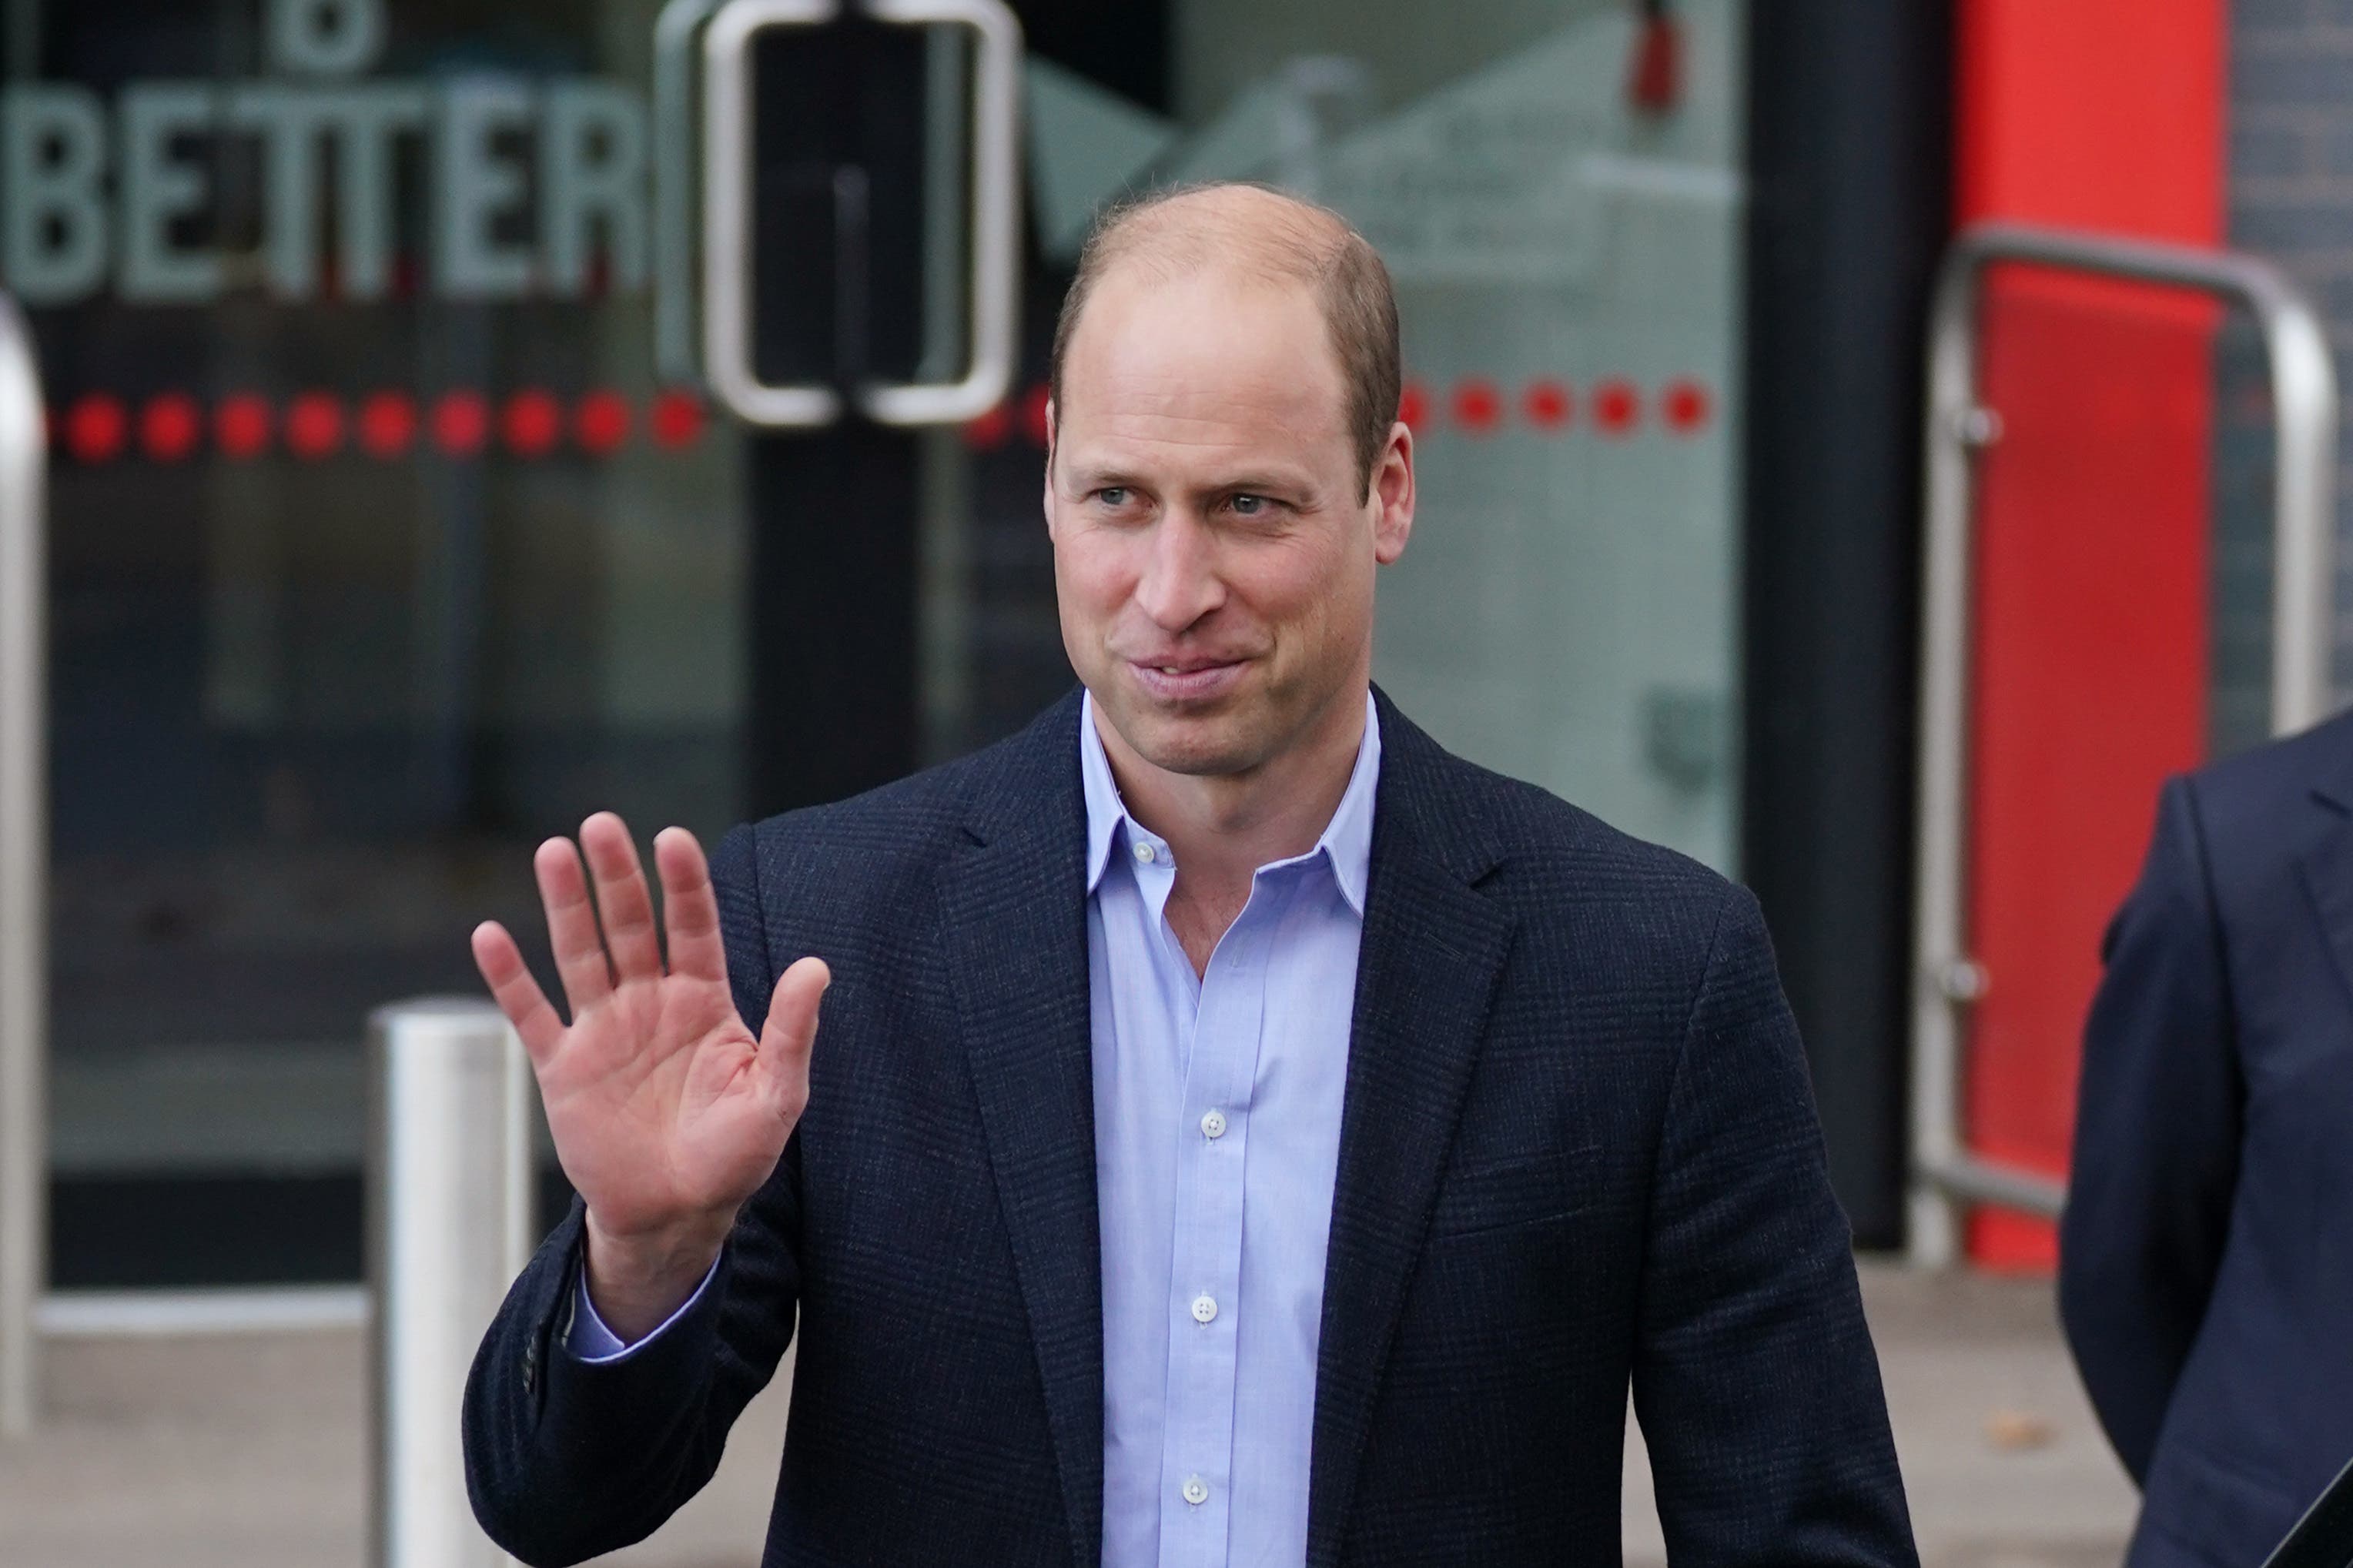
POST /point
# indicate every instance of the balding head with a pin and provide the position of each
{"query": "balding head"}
(1269, 237)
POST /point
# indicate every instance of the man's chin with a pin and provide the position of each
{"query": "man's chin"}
(1194, 744)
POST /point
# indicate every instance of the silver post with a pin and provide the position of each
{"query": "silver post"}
(449, 1226)
(23, 871)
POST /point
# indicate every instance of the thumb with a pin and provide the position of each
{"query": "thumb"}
(790, 1031)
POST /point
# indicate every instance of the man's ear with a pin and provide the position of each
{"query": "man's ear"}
(1050, 468)
(1393, 495)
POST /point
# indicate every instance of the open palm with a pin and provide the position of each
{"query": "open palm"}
(667, 1113)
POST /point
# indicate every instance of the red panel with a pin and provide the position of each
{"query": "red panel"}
(2100, 114)
(2090, 670)
(2089, 678)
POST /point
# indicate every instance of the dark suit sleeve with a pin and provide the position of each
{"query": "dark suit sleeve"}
(2157, 1141)
(1755, 1378)
(564, 1460)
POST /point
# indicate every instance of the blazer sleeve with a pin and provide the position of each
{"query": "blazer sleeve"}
(566, 1459)
(2157, 1141)
(1754, 1376)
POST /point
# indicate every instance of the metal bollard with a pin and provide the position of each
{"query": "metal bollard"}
(449, 1226)
(23, 871)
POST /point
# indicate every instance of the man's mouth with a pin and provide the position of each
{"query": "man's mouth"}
(1186, 679)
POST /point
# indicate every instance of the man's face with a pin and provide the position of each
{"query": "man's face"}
(1214, 546)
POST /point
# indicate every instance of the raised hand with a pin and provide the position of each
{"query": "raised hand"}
(667, 1113)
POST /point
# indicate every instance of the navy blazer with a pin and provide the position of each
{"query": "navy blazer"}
(1578, 1149)
(2205, 1257)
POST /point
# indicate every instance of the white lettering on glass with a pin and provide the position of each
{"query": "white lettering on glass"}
(374, 117)
(53, 229)
(475, 183)
(592, 160)
(159, 185)
(537, 183)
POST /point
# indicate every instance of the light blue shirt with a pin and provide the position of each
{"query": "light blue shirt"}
(1216, 1137)
(1216, 1103)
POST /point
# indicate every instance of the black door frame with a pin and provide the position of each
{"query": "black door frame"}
(1850, 150)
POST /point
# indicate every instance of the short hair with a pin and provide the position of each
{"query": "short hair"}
(1291, 240)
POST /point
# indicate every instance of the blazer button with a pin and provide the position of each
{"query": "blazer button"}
(530, 1366)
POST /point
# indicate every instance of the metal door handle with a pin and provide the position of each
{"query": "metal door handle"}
(995, 239)
(726, 218)
(995, 247)
(2303, 399)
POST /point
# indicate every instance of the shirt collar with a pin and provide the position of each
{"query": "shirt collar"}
(1346, 842)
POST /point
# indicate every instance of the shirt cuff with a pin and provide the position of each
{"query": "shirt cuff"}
(593, 1342)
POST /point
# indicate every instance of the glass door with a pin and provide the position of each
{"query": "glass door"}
(379, 551)
(402, 515)
(1558, 188)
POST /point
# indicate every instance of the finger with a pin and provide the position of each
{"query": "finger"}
(572, 925)
(516, 993)
(623, 903)
(790, 1031)
(690, 909)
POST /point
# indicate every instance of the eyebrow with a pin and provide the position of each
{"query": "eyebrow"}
(1099, 476)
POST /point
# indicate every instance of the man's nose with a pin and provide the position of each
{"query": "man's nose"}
(1179, 583)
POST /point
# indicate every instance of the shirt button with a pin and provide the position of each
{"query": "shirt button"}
(1197, 1490)
(1205, 1309)
(1144, 852)
(1213, 1124)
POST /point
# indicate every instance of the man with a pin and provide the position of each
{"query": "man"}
(1240, 1132)
(2206, 1259)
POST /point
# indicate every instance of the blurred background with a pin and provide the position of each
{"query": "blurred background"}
(396, 521)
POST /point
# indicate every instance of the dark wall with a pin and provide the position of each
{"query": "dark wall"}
(2290, 180)
(1850, 157)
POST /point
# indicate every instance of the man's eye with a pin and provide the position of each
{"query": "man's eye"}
(1250, 505)
(1112, 495)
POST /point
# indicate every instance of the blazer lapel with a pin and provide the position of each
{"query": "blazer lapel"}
(1016, 912)
(1433, 949)
(2328, 870)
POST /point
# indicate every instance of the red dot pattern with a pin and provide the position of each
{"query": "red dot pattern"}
(95, 427)
(241, 425)
(600, 422)
(1478, 406)
(389, 424)
(677, 419)
(1546, 404)
(1685, 405)
(531, 423)
(1413, 406)
(1616, 407)
(461, 423)
(169, 427)
(314, 425)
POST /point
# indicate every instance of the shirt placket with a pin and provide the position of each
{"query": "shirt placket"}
(1205, 1274)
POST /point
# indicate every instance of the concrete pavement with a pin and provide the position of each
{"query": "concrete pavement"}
(249, 1449)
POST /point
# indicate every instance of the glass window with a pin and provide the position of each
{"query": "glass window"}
(1557, 191)
(387, 541)
(379, 552)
